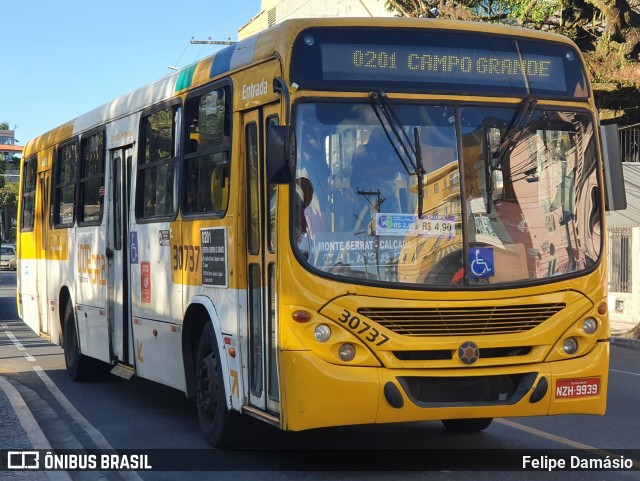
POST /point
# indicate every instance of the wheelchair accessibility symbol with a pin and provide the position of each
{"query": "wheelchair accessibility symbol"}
(481, 262)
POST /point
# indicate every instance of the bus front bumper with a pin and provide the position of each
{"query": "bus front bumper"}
(318, 394)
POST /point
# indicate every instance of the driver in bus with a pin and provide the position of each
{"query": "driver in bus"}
(303, 197)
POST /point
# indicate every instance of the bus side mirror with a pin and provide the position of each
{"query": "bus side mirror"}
(281, 154)
(615, 198)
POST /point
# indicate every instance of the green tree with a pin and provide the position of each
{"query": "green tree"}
(9, 200)
(9, 194)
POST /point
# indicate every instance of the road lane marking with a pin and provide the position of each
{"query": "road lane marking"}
(625, 372)
(559, 439)
(15, 341)
(543, 434)
(95, 435)
(31, 427)
(19, 346)
(80, 420)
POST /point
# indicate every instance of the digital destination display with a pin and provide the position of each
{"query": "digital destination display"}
(440, 64)
(426, 60)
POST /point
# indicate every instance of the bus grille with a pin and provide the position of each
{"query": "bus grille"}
(475, 390)
(462, 321)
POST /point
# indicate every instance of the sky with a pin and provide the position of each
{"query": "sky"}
(62, 58)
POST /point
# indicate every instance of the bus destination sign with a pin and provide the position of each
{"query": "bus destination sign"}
(446, 65)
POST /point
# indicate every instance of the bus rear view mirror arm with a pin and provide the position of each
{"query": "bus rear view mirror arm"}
(615, 198)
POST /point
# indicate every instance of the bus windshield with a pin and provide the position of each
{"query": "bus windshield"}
(506, 197)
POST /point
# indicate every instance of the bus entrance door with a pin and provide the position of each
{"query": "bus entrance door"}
(264, 390)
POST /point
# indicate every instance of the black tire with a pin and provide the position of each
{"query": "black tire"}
(217, 423)
(79, 367)
(467, 425)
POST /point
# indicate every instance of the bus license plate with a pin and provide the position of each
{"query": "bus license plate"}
(580, 387)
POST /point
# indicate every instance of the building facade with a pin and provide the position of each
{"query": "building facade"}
(276, 11)
(9, 153)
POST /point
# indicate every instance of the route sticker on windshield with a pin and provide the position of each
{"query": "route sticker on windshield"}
(439, 226)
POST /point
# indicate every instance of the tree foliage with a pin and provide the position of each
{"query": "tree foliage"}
(588, 21)
(9, 194)
(607, 32)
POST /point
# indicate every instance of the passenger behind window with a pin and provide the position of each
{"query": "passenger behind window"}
(315, 171)
(303, 195)
(220, 186)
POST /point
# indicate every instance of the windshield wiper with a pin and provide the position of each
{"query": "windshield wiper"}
(515, 131)
(507, 143)
(412, 152)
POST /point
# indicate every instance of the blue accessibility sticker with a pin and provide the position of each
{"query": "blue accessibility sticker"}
(481, 262)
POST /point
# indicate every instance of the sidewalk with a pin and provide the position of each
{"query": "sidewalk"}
(14, 437)
(618, 329)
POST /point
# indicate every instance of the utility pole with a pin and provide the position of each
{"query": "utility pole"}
(211, 42)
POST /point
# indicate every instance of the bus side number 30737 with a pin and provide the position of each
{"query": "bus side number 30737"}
(186, 257)
(361, 326)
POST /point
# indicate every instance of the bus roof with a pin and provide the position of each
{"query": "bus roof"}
(262, 45)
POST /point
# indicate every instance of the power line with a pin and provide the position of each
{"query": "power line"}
(211, 42)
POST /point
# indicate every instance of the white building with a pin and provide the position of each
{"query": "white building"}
(275, 11)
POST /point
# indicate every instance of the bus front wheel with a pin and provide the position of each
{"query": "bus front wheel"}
(216, 421)
(467, 425)
(78, 366)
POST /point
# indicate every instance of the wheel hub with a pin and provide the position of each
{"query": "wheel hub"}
(207, 386)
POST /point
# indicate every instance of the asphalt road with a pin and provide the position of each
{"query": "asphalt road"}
(139, 415)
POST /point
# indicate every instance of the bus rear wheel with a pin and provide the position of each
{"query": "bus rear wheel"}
(79, 367)
(216, 421)
(467, 425)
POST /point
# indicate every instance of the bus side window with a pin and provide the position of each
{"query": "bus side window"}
(65, 185)
(91, 183)
(157, 171)
(207, 157)
(28, 194)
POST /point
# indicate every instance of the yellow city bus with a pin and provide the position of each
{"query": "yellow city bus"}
(335, 222)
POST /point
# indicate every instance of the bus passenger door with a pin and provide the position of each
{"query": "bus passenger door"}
(264, 391)
(117, 248)
(41, 241)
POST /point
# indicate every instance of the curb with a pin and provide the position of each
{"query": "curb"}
(626, 343)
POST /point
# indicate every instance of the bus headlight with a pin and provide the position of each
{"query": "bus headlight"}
(570, 345)
(322, 333)
(347, 352)
(590, 325)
